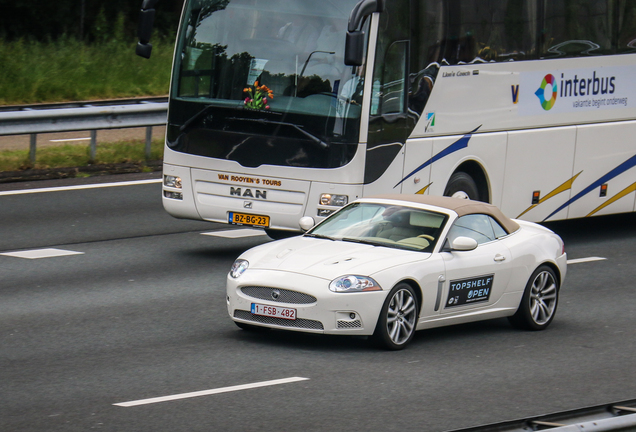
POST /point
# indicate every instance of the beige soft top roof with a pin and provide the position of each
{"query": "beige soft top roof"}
(460, 206)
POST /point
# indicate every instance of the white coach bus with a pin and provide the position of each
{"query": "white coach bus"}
(287, 108)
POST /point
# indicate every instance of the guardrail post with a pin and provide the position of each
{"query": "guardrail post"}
(32, 148)
(148, 142)
(93, 148)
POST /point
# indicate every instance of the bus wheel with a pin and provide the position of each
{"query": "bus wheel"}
(462, 185)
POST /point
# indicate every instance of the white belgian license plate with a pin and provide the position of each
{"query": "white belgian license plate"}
(273, 311)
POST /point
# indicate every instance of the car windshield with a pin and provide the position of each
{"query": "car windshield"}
(384, 225)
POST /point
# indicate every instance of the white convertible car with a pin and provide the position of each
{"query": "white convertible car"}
(390, 265)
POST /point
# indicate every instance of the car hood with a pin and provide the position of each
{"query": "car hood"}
(326, 258)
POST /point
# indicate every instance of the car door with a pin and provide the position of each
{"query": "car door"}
(475, 278)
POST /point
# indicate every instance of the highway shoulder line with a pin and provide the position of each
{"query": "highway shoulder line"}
(80, 187)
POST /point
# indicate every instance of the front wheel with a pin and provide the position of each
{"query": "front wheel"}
(398, 318)
(539, 302)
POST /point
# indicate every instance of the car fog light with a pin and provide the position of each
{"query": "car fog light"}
(172, 181)
(173, 195)
(352, 315)
(334, 200)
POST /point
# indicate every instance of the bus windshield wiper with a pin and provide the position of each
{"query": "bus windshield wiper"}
(312, 137)
(186, 125)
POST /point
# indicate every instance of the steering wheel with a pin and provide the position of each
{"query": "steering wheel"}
(427, 237)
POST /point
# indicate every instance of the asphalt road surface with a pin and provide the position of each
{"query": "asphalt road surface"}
(138, 312)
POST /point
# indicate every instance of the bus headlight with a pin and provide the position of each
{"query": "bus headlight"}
(334, 200)
(172, 181)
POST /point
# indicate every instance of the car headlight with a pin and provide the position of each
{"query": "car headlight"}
(238, 268)
(352, 283)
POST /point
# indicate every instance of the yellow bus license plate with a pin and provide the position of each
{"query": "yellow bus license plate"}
(248, 219)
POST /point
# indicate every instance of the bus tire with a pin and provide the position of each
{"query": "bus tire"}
(462, 185)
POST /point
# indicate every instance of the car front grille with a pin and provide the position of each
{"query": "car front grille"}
(297, 323)
(278, 295)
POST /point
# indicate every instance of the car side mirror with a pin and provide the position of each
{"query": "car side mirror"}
(306, 223)
(463, 244)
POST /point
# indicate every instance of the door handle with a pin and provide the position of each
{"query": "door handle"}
(499, 258)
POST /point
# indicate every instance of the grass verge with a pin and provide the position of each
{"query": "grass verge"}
(73, 160)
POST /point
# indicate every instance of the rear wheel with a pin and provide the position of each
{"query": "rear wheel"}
(398, 318)
(462, 185)
(539, 302)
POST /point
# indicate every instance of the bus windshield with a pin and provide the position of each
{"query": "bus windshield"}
(264, 82)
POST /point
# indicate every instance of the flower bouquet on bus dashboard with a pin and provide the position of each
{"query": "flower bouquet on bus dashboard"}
(257, 96)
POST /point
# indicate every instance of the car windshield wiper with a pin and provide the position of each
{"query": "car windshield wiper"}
(312, 137)
(320, 236)
(362, 241)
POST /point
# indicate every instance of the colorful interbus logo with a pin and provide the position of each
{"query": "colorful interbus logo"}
(548, 83)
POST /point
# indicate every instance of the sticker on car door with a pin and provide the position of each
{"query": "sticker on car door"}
(468, 291)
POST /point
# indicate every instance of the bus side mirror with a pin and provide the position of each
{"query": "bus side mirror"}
(354, 49)
(354, 45)
(144, 30)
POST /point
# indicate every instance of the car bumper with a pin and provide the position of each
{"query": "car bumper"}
(323, 312)
(562, 263)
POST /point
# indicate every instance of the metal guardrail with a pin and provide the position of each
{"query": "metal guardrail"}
(619, 416)
(80, 104)
(36, 120)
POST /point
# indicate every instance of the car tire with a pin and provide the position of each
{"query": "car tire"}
(398, 318)
(539, 302)
(462, 185)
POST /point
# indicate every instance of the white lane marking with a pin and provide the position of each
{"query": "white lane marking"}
(210, 392)
(41, 253)
(70, 139)
(236, 233)
(79, 187)
(585, 260)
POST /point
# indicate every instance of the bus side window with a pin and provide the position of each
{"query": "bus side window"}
(393, 84)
